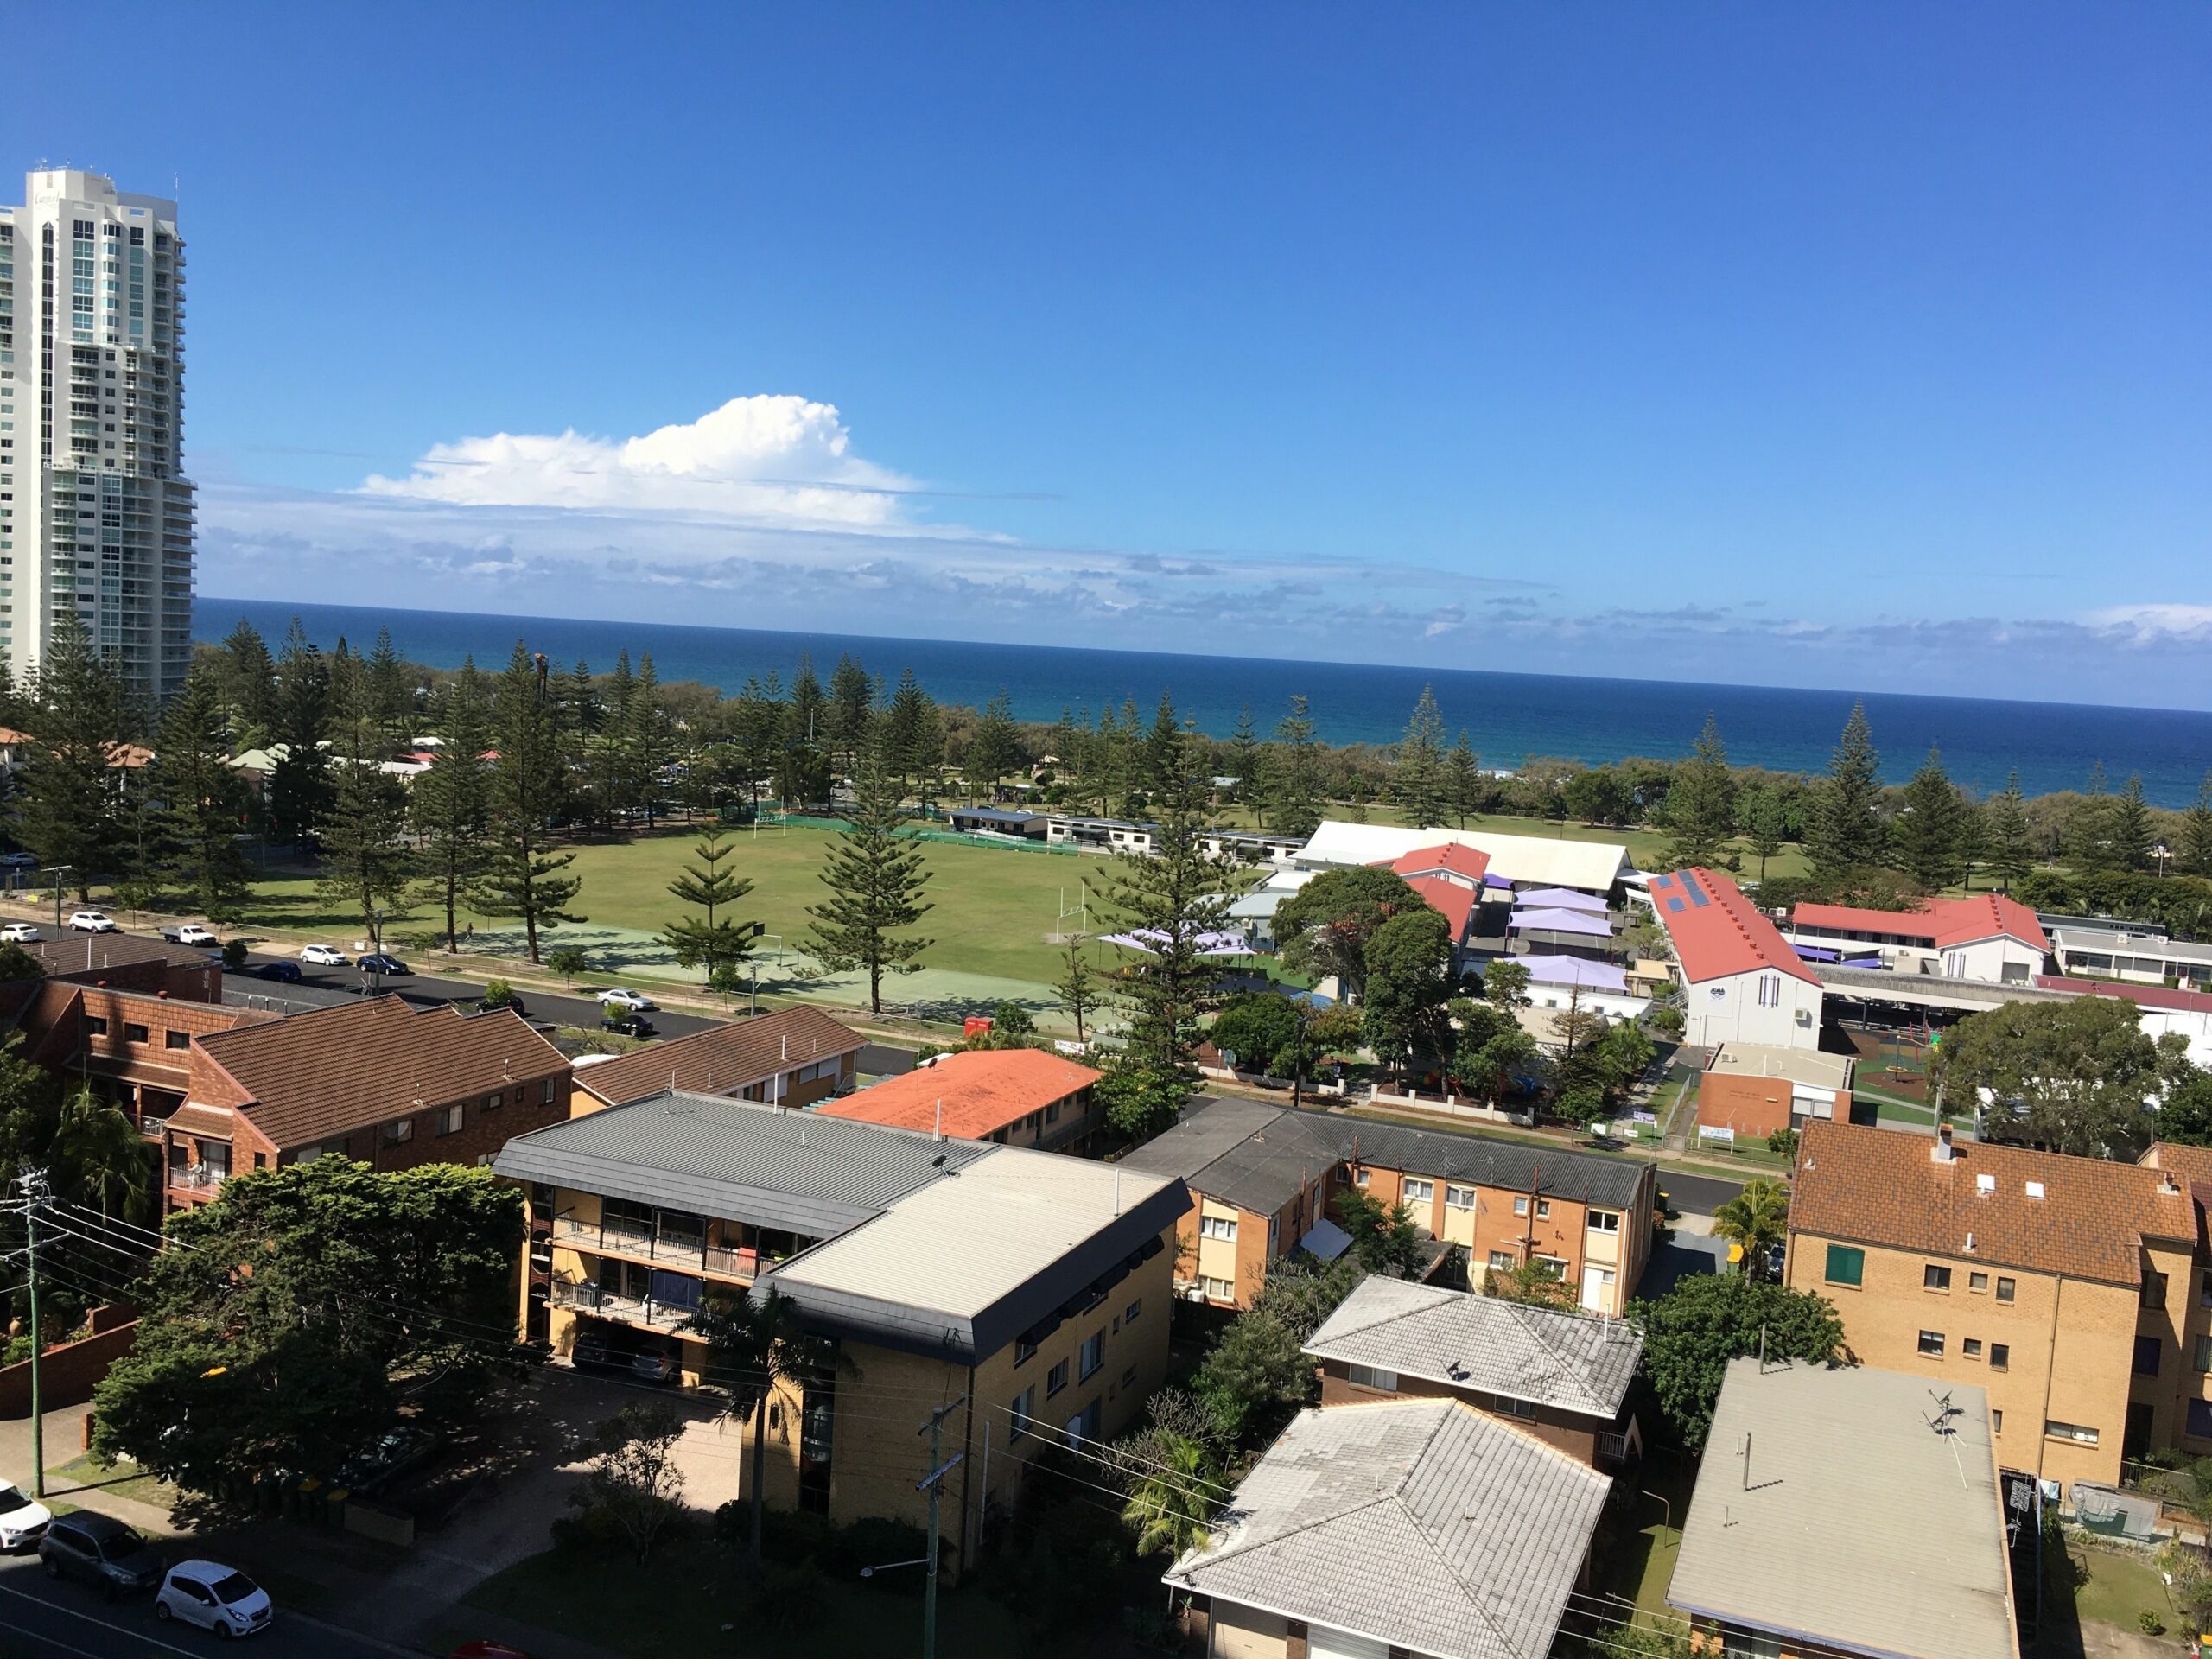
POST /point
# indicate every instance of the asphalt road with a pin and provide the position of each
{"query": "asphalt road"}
(40, 1619)
(1697, 1195)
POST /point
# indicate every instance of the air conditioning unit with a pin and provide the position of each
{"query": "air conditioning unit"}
(1804, 1016)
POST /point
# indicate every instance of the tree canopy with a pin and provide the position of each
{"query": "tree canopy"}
(1325, 927)
(1691, 1333)
(2075, 1076)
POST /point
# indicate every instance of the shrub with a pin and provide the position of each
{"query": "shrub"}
(234, 954)
(787, 1596)
(2150, 1623)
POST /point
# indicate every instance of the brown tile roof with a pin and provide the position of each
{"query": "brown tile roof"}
(78, 954)
(336, 1070)
(2190, 1163)
(983, 1091)
(1885, 1187)
(722, 1059)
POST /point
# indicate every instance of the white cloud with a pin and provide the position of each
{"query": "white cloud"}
(2151, 624)
(763, 458)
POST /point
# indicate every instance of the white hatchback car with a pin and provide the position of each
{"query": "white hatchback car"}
(93, 921)
(635, 1001)
(22, 1519)
(19, 933)
(213, 1596)
(325, 955)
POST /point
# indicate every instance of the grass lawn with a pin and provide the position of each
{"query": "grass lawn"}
(2117, 1584)
(122, 1479)
(686, 1602)
(1637, 1558)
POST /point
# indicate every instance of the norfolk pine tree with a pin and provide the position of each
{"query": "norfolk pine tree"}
(1926, 830)
(1843, 835)
(1765, 823)
(1418, 783)
(367, 862)
(1246, 755)
(449, 802)
(64, 790)
(203, 799)
(1295, 785)
(2132, 833)
(1463, 779)
(2009, 854)
(713, 942)
(1077, 988)
(2196, 831)
(1701, 801)
(991, 747)
(521, 878)
(876, 878)
(299, 785)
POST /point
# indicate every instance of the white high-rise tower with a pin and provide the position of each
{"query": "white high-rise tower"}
(95, 511)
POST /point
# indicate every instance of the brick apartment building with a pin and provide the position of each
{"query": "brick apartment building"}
(132, 1047)
(793, 1056)
(1016, 1096)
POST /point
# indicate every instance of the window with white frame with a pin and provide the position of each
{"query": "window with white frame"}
(1374, 1377)
(1458, 1198)
(1605, 1221)
(1520, 1206)
(1418, 1191)
(1219, 1290)
(1217, 1227)
(1501, 1261)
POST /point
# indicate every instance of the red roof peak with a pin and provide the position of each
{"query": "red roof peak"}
(1718, 933)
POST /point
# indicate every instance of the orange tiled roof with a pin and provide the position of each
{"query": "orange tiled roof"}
(1451, 900)
(1447, 858)
(1942, 922)
(722, 1059)
(1886, 1187)
(983, 1091)
(341, 1069)
(1716, 931)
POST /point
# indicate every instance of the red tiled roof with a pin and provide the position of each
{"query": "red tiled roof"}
(1451, 900)
(1942, 922)
(2147, 996)
(983, 1091)
(722, 1059)
(1881, 1187)
(1450, 858)
(340, 1069)
(1718, 933)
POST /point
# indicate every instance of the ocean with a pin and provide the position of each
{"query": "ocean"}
(1507, 717)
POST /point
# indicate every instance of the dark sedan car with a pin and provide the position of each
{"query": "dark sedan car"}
(629, 1025)
(102, 1552)
(285, 973)
(376, 961)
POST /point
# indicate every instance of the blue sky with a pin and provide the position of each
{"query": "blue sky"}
(1849, 347)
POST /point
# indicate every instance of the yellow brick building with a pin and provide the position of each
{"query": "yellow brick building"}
(1030, 1288)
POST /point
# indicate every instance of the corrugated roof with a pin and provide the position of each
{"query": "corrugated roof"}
(1872, 1185)
(1716, 931)
(722, 1059)
(1448, 899)
(1423, 1524)
(335, 1070)
(1865, 1515)
(1462, 1339)
(1591, 866)
(1449, 858)
(81, 954)
(981, 1091)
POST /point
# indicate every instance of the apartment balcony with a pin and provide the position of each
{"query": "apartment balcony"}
(637, 1243)
(640, 1311)
(197, 1177)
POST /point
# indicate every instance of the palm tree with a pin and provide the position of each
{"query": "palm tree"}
(104, 1162)
(1170, 1503)
(752, 1348)
(1756, 1218)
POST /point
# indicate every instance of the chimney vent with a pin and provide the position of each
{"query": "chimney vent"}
(1943, 1152)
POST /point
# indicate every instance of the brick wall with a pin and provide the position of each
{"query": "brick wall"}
(72, 1371)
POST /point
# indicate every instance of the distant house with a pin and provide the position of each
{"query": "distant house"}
(1987, 937)
(1590, 867)
(996, 821)
(1749, 1090)
(1016, 1096)
(1411, 1527)
(2105, 954)
(1099, 835)
(1561, 1375)
(1741, 982)
(1561, 982)
(1848, 1511)
(793, 1056)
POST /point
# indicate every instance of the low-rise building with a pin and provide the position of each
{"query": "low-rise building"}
(1988, 938)
(1263, 1177)
(1016, 1096)
(1749, 1090)
(1034, 1286)
(2096, 953)
(1561, 1375)
(1851, 1512)
(129, 962)
(2073, 1289)
(1413, 1527)
(1741, 981)
(133, 1048)
(793, 1056)
(386, 1085)
(1587, 867)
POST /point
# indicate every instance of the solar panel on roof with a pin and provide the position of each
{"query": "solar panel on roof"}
(1675, 904)
(1662, 880)
(1697, 893)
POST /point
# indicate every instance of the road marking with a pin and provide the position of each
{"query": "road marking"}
(106, 1625)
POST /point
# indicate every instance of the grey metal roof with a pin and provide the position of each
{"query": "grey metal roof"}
(1257, 1156)
(1853, 1479)
(736, 1159)
(1421, 1523)
(1547, 1357)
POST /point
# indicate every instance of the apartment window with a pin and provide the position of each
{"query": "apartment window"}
(1520, 1206)
(1935, 1278)
(1544, 1209)
(450, 1121)
(1052, 1113)
(176, 1039)
(1417, 1191)
(261, 1161)
(2202, 1358)
(1996, 1422)
(2200, 1420)
(1506, 1406)
(1056, 1379)
(2000, 1356)
(1605, 1221)
(2154, 1289)
(1372, 1376)
(396, 1133)
(1557, 1265)
(1931, 1343)
(549, 1092)
(1091, 1355)
(2080, 1433)
(1219, 1290)
(1359, 1179)
(134, 1033)
(1846, 1265)
(1023, 1411)
(2004, 1288)
(1501, 1261)
(492, 1103)
(1135, 1308)
(1217, 1227)
(1024, 1350)
(96, 1024)
(1977, 1281)
(2148, 1356)
(2204, 1291)
(1972, 1347)
(1458, 1198)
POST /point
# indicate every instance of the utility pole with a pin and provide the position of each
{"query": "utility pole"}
(934, 1484)
(32, 1183)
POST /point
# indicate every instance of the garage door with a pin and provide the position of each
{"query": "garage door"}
(1322, 1643)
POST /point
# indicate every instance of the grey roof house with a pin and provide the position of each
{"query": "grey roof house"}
(1414, 1525)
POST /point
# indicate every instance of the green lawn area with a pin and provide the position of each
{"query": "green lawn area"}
(121, 1480)
(2116, 1587)
(1640, 1545)
(687, 1601)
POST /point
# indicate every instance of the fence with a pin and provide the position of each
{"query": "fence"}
(913, 832)
(1449, 1106)
(72, 1371)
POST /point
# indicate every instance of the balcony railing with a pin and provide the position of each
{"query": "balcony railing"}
(197, 1175)
(632, 1239)
(607, 1304)
(1611, 1448)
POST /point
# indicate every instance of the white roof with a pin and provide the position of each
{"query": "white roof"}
(959, 1245)
(1538, 861)
(1814, 1070)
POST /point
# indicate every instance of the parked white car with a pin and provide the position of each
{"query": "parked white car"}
(213, 1596)
(635, 1001)
(93, 921)
(19, 933)
(22, 1519)
(325, 955)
